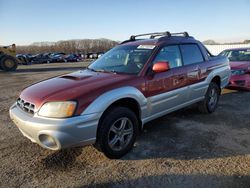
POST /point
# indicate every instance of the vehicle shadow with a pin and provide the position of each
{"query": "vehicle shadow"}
(61, 159)
(176, 180)
(189, 134)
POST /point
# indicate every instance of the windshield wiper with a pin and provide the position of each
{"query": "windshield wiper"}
(102, 70)
(94, 70)
(112, 71)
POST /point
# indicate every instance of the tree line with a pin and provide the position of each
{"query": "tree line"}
(82, 46)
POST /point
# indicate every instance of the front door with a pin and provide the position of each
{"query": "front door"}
(166, 90)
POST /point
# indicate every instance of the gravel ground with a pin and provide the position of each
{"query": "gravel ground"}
(182, 149)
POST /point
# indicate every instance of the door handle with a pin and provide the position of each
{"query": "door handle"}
(181, 78)
(196, 69)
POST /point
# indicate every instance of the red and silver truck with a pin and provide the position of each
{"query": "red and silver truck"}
(109, 102)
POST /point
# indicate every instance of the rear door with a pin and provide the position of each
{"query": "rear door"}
(193, 60)
(166, 90)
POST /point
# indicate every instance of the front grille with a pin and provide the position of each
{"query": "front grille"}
(26, 106)
(240, 82)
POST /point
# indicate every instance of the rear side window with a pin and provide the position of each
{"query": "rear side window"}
(191, 54)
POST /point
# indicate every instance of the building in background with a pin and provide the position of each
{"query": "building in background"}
(215, 49)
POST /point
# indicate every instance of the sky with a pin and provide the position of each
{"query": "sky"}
(26, 21)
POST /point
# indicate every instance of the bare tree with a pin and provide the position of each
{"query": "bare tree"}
(69, 46)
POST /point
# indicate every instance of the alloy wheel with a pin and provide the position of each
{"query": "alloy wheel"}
(120, 134)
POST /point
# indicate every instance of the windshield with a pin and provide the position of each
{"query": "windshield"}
(237, 55)
(123, 59)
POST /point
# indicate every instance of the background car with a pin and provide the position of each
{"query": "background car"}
(57, 57)
(72, 58)
(22, 58)
(99, 54)
(90, 55)
(41, 58)
(240, 67)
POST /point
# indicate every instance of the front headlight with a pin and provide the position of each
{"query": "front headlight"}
(58, 109)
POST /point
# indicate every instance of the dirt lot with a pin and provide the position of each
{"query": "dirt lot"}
(182, 149)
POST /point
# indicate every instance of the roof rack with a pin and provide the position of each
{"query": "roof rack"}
(152, 35)
(156, 34)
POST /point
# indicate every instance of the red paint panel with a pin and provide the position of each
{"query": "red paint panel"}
(82, 87)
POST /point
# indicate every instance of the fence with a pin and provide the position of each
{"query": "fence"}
(216, 49)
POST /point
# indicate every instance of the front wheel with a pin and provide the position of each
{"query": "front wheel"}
(8, 63)
(117, 132)
(210, 103)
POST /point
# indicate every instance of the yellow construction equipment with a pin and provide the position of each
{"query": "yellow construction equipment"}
(8, 61)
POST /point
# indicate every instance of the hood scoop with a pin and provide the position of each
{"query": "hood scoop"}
(79, 75)
(72, 77)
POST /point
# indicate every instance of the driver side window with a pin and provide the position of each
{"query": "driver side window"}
(171, 54)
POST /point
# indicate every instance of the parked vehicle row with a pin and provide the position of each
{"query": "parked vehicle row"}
(55, 57)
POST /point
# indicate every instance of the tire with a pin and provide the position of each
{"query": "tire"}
(0, 62)
(8, 63)
(117, 132)
(210, 103)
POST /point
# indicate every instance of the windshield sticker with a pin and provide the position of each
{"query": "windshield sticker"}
(149, 47)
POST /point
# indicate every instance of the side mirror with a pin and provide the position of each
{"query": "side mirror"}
(161, 66)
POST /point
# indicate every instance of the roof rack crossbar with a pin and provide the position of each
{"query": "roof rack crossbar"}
(185, 34)
(151, 35)
(167, 33)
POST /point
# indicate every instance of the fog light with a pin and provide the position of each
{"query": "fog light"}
(48, 141)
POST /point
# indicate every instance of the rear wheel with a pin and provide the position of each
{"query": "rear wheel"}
(117, 132)
(210, 103)
(8, 63)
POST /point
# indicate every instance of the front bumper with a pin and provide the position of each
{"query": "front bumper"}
(56, 134)
(240, 82)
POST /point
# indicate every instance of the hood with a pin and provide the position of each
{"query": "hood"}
(240, 65)
(75, 86)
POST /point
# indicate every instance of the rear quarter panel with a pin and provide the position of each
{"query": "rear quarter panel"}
(218, 66)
